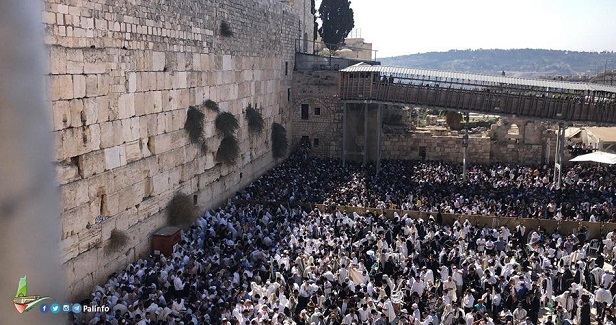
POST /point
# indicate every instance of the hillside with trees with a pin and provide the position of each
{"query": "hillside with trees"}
(530, 63)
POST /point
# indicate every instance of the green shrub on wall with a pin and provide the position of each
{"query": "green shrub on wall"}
(226, 124)
(117, 241)
(194, 124)
(228, 151)
(279, 140)
(211, 105)
(254, 119)
(181, 211)
(194, 127)
(225, 29)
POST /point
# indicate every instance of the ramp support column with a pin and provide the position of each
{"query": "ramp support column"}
(365, 134)
(379, 126)
(344, 134)
(558, 159)
(465, 147)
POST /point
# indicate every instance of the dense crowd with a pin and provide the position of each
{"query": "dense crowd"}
(586, 193)
(278, 264)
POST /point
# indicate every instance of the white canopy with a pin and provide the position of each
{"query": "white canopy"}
(597, 156)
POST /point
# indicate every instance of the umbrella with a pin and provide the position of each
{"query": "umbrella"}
(597, 156)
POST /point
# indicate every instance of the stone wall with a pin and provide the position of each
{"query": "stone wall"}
(318, 90)
(442, 148)
(121, 77)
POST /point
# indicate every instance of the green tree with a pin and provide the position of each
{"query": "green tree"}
(336, 22)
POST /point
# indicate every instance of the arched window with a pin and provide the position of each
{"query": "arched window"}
(513, 135)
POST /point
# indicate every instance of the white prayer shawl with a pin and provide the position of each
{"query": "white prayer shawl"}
(357, 277)
(389, 310)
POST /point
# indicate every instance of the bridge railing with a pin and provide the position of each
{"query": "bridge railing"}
(558, 107)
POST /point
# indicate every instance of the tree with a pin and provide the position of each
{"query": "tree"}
(453, 120)
(336, 22)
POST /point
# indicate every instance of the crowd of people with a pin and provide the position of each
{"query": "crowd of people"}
(586, 192)
(274, 263)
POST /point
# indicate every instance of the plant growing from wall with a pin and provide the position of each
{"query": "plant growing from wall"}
(279, 140)
(211, 105)
(228, 151)
(254, 119)
(181, 211)
(226, 124)
(225, 29)
(117, 241)
(194, 127)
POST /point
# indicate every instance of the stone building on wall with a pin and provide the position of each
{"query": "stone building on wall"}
(121, 79)
(317, 118)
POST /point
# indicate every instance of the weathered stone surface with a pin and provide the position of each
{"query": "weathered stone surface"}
(120, 86)
(92, 163)
(133, 151)
(115, 157)
(61, 87)
(74, 194)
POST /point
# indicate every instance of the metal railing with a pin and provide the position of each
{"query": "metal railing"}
(562, 108)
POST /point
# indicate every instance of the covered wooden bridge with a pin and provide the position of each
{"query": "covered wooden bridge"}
(467, 92)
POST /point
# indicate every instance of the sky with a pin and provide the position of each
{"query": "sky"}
(399, 27)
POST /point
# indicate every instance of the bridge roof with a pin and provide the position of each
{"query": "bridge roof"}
(409, 72)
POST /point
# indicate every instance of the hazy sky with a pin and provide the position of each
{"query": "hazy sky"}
(397, 27)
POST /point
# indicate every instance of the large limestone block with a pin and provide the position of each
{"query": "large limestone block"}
(61, 114)
(130, 129)
(69, 248)
(115, 157)
(67, 171)
(130, 196)
(164, 122)
(160, 80)
(158, 61)
(160, 183)
(74, 194)
(79, 86)
(77, 141)
(92, 163)
(74, 67)
(139, 104)
(182, 80)
(160, 143)
(57, 60)
(196, 62)
(103, 84)
(133, 151)
(92, 88)
(103, 108)
(89, 239)
(126, 106)
(61, 87)
(77, 118)
(90, 111)
(132, 82)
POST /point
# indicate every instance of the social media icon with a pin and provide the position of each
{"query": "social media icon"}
(44, 308)
(55, 308)
(66, 308)
(76, 309)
